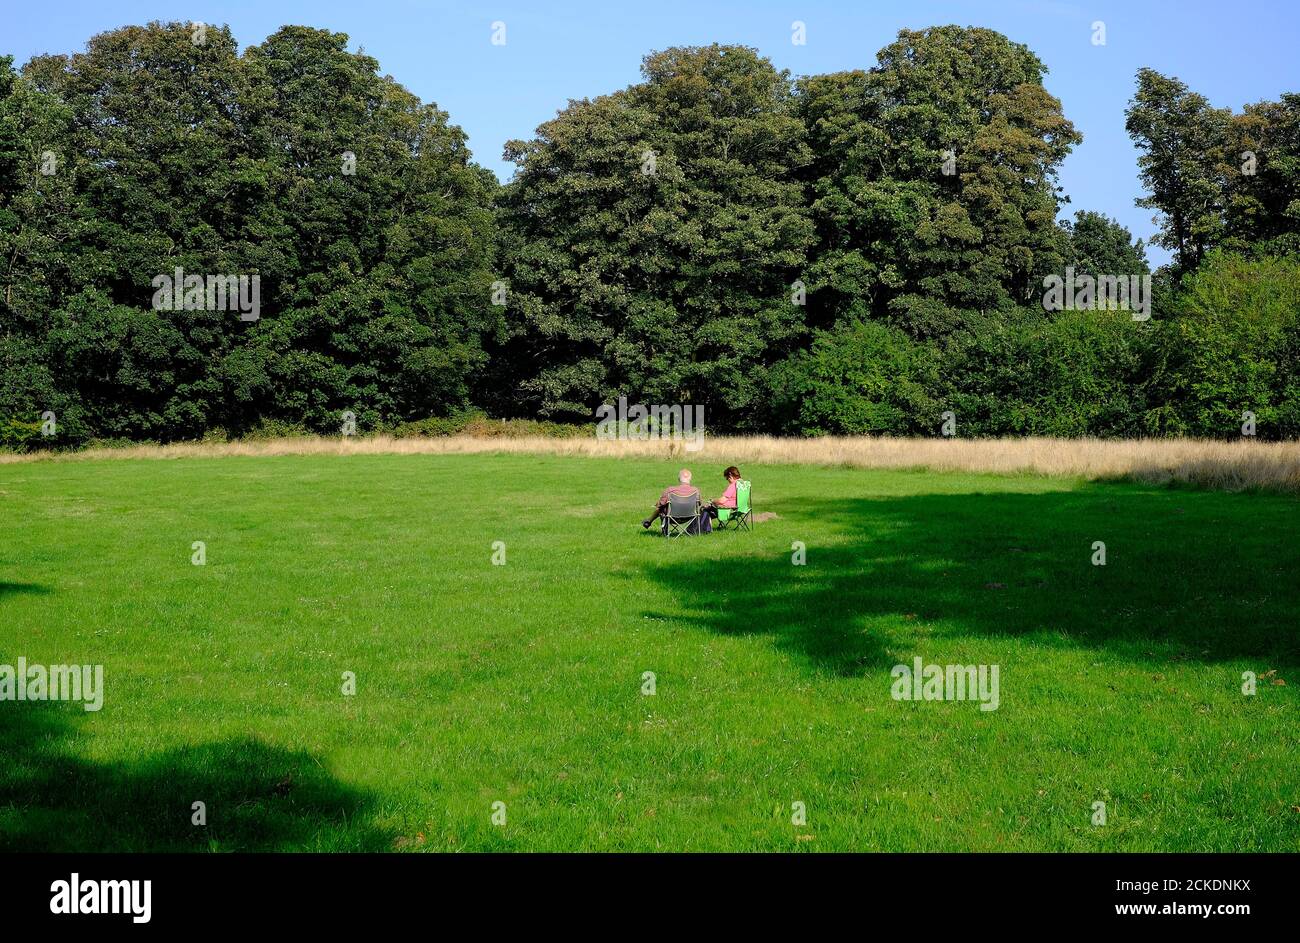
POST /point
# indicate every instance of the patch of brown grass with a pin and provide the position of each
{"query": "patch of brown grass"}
(1231, 466)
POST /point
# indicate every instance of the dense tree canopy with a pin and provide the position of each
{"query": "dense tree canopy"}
(652, 237)
(353, 203)
(856, 252)
(934, 188)
(1236, 340)
(1099, 245)
(1218, 179)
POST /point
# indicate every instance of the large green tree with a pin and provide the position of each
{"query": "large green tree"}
(1099, 245)
(934, 181)
(652, 236)
(1184, 163)
(354, 204)
(1262, 205)
(43, 222)
(1219, 180)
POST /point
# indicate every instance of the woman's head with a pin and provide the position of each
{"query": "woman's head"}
(732, 473)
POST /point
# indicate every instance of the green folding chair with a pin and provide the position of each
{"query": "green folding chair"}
(682, 516)
(741, 517)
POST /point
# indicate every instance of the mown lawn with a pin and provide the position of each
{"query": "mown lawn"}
(523, 683)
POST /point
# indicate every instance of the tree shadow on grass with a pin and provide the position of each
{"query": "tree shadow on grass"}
(1198, 576)
(258, 797)
(14, 589)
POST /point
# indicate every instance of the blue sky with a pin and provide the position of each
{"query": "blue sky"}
(1233, 53)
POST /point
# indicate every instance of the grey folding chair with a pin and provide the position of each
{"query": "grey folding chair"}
(682, 516)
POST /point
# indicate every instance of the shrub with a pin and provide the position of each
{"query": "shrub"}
(275, 429)
(864, 378)
(1080, 373)
(476, 423)
(117, 442)
(19, 436)
(432, 427)
(1237, 346)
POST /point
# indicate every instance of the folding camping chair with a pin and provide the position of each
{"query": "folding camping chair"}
(741, 517)
(682, 516)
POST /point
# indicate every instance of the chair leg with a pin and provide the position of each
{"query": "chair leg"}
(681, 526)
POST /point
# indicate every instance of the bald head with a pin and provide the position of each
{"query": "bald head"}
(684, 476)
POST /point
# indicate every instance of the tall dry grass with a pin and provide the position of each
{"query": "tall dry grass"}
(1230, 466)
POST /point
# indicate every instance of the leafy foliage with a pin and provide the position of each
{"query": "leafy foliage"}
(652, 236)
(845, 253)
(1218, 179)
(934, 184)
(374, 284)
(1238, 346)
(1082, 373)
(1101, 246)
(865, 378)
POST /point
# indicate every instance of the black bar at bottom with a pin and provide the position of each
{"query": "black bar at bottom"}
(877, 891)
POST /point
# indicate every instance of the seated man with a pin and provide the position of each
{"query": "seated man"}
(683, 489)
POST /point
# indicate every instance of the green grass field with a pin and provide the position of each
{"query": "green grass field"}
(522, 683)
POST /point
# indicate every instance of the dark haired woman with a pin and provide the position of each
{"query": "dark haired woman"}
(728, 499)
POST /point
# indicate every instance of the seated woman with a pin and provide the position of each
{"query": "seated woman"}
(728, 498)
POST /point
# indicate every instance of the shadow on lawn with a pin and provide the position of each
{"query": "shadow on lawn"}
(1189, 575)
(258, 797)
(32, 589)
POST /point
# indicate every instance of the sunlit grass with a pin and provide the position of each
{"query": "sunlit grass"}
(523, 683)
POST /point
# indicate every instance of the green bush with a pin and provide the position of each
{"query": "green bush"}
(116, 442)
(477, 423)
(275, 429)
(1079, 373)
(431, 427)
(864, 378)
(1237, 346)
(19, 436)
(520, 428)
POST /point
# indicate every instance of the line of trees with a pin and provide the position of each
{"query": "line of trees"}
(847, 253)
